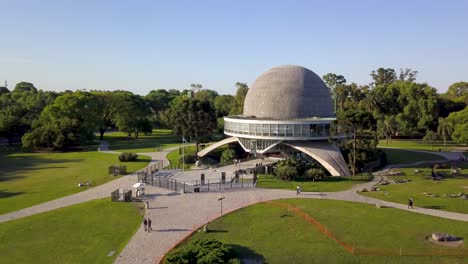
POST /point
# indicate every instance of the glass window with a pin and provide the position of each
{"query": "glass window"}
(289, 130)
(281, 130)
(297, 130)
(274, 130)
(266, 130)
(258, 129)
(313, 130)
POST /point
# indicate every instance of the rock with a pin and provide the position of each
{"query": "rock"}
(417, 171)
(464, 197)
(198, 164)
(364, 190)
(373, 189)
(384, 183)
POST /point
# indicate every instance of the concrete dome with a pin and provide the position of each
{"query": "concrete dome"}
(288, 92)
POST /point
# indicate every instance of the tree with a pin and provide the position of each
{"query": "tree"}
(360, 125)
(332, 81)
(25, 87)
(132, 114)
(4, 90)
(389, 127)
(458, 89)
(460, 121)
(315, 174)
(228, 156)
(238, 106)
(445, 130)
(223, 104)
(286, 172)
(408, 75)
(206, 95)
(383, 76)
(191, 118)
(430, 138)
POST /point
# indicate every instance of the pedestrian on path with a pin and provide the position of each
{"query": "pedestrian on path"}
(410, 203)
(145, 222)
(298, 190)
(149, 225)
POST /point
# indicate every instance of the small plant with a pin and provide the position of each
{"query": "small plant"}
(128, 156)
(228, 156)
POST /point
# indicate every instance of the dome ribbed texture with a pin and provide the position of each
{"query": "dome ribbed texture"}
(288, 92)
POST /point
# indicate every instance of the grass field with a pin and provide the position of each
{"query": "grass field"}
(416, 144)
(174, 156)
(263, 231)
(332, 184)
(422, 183)
(119, 141)
(83, 233)
(27, 179)
(400, 156)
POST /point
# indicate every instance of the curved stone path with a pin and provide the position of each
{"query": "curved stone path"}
(175, 215)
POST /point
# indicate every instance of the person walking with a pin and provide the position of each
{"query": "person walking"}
(149, 225)
(298, 190)
(410, 203)
(145, 222)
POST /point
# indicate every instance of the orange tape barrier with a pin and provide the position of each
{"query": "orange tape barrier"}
(313, 222)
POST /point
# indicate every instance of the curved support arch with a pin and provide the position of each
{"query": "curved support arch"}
(216, 145)
(325, 153)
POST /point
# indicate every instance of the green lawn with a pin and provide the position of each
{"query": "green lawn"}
(422, 182)
(174, 156)
(119, 141)
(416, 144)
(332, 184)
(399, 156)
(263, 231)
(83, 233)
(27, 179)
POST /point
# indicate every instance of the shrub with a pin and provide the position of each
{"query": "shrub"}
(315, 174)
(128, 156)
(187, 158)
(202, 251)
(228, 156)
(286, 172)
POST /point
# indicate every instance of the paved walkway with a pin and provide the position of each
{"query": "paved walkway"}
(176, 215)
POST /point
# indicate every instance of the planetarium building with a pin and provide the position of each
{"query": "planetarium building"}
(287, 110)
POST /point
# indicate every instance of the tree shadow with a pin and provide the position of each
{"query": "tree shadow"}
(172, 230)
(248, 255)
(5, 194)
(436, 207)
(13, 167)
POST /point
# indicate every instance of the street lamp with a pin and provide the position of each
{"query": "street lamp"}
(221, 198)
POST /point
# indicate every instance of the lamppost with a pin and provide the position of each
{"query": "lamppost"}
(221, 198)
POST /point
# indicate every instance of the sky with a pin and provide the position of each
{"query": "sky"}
(141, 45)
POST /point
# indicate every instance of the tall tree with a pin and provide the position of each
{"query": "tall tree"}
(458, 89)
(389, 127)
(460, 121)
(383, 76)
(445, 130)
(191, 118)
(407, 75)
(3, 90)
(25, 87)
(238, 107)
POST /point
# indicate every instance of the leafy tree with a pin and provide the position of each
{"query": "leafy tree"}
(206, 95)
(228, 156)
(223, 104)
(445, 130)
(191, 118)
(458, 89)
(383, 76)
(4, 90)
(25, 87)
(333, 82)
(286, 172)
(389, 127)
(430, 138)
(361, 126)
(459, 120)
(408, 75)
(238, 106)
(132, 114)
(106, 108)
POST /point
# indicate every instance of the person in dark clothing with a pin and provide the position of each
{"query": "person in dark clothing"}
(149, 225)
(410, 203)
(145, 222)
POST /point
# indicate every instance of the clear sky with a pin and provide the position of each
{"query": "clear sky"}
(142, 45)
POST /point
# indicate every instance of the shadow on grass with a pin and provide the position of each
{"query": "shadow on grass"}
(436, 207)
(4, 194)
(247, 255)
(217, 231)
(285, 215)
(172, 230)
(13, 166)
